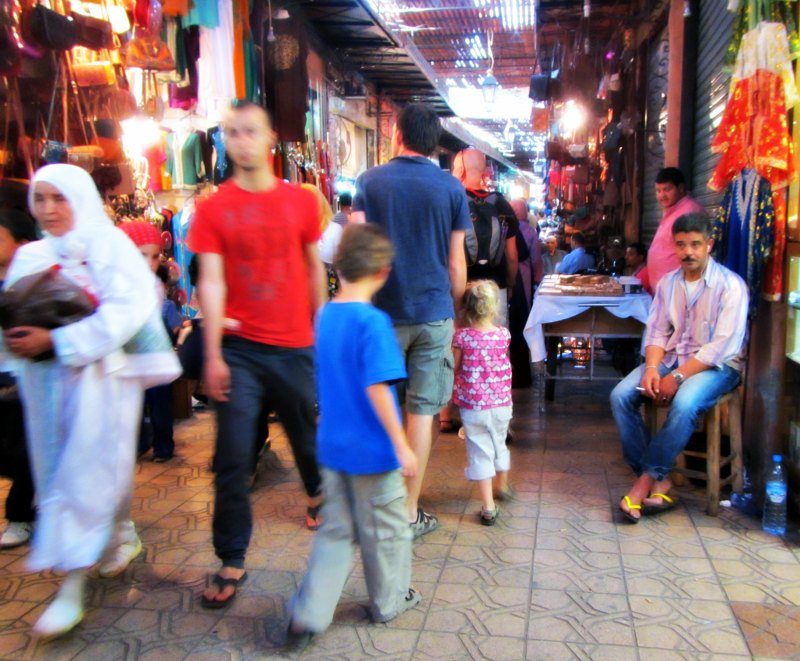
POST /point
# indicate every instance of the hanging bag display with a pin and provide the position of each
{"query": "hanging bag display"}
(146, 51)
(49, 29)
(94, 33)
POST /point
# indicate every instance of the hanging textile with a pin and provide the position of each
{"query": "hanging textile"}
(754, 132)
(217, 86)
(766, 48)
(743, 229)
(286, 80)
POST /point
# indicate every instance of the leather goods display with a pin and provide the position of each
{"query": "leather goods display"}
(148, 52)
(540, 120)
(581, 175)
(94, 74)
(94, 33)
(49, 29)
(553, 150)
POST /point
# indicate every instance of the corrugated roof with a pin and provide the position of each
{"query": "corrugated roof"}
(417, 50)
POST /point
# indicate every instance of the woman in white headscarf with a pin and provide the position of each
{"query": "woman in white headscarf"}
(83, 406)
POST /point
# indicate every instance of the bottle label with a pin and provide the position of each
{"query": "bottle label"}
(776, 492)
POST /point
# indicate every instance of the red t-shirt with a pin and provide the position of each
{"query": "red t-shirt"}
(262, 238)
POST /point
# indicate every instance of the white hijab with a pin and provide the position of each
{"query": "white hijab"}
(92, 241)
(126, 332)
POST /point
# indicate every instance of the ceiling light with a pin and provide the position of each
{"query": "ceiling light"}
(489, 83)
(489, 87)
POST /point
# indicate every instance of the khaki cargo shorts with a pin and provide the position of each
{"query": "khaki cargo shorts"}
(427, 349)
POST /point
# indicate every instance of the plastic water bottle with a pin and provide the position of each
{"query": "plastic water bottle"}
(775, 501)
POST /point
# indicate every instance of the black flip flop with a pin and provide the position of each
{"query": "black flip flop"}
(221, 584)
(667, 503)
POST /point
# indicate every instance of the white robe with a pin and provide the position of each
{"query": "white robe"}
(83, 409)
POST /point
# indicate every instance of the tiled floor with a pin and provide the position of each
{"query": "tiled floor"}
(559, 577)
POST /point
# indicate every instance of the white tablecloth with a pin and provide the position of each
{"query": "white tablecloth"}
(548, 308)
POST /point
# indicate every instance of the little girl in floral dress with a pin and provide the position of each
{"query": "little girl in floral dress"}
(483, 394)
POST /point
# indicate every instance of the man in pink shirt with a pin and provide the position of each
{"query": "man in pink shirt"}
(675, 202)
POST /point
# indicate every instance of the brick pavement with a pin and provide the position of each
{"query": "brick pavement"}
(559, 577)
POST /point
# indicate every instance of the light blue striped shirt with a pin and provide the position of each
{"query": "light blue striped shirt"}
(710, 325)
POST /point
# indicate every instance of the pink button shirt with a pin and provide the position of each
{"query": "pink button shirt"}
(661, 257)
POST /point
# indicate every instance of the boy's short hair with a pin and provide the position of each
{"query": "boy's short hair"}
(671, 176)
(693, 222)
(20, 225)
(578, 238)
(364, 250)
(345, 200)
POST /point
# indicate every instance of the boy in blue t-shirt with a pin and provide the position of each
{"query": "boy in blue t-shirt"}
(361, 447)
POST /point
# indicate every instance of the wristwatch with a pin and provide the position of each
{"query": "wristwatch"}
(679, 378)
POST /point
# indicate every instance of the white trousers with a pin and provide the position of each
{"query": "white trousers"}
(485, 432)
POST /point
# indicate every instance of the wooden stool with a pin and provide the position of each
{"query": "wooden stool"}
(716, 422)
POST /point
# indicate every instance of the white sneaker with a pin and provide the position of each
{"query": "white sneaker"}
(60, 617)
(16, 534)
(123, 555)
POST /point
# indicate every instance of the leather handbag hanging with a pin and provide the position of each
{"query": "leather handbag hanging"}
(148, 52)
(553, 150)
(49, 29)
(94, 74)
(94, 33)
(540, 120)
(580, 175)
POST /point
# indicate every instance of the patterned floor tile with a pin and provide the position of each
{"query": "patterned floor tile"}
(577, 571)
(509, 567)
(745, 545)
(646, 539)
(556, 578)
(663, 576)
(478, 609)
(764, 582)
(579, 617)
(653, 654)
(687, 624)
(440, 645)
(770, 630)
(541, 650)
(575, 534)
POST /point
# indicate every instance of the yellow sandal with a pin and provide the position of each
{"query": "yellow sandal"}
(667, 503)
(632, 507)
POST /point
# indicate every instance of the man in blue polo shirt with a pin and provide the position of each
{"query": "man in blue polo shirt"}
(424, 211)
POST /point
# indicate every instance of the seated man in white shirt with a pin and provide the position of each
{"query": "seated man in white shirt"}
(695, 344)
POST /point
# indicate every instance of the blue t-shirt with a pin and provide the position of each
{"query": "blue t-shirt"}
(356, 348)
(419, 205)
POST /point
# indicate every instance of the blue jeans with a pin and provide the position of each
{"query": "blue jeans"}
(656, 456)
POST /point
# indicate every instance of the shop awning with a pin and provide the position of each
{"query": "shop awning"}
(362, 42)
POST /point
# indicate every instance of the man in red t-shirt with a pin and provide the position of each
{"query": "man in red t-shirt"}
(261, 281)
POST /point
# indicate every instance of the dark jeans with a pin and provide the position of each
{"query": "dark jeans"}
(259, 373)
(158, 409)
(14, 463)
